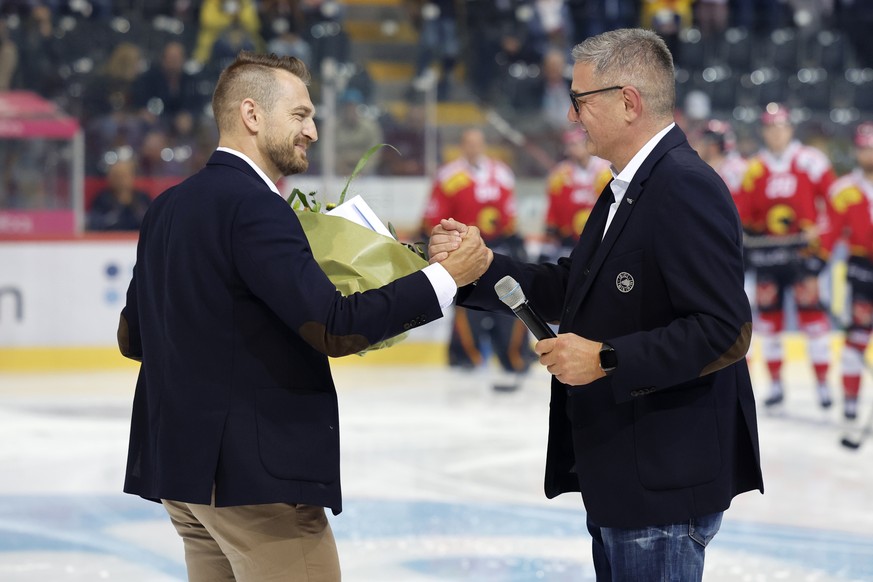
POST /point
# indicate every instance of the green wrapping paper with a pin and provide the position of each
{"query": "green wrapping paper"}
(357, 259)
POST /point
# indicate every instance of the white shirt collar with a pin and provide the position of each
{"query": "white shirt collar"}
(254, 166)
(623, 179)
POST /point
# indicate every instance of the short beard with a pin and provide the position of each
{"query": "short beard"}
(286, 158)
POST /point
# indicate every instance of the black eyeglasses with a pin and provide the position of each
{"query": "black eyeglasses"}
(574, 97)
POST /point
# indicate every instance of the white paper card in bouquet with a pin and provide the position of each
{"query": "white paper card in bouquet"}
(359, 212)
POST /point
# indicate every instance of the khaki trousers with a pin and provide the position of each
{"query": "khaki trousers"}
(256, 543)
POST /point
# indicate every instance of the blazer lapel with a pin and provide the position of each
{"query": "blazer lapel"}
(588, 246)
(592, 264)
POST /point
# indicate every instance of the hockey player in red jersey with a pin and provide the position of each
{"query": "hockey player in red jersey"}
(480, 190)
(851, 199)
(572, 187)
(784, 208)
(716, 145)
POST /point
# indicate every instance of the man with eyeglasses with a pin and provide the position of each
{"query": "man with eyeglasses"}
(652, 411)
(572, 188)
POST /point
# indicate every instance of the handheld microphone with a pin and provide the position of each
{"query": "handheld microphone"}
(509, 291)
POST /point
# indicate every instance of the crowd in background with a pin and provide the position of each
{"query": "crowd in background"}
(139, 74)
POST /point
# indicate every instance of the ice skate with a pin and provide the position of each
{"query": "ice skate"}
(850, 408)
(824, 396)
(777, 395)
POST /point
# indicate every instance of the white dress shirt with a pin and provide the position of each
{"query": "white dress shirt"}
(443, 285)
(622, 180)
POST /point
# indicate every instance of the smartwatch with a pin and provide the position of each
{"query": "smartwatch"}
(608, 359)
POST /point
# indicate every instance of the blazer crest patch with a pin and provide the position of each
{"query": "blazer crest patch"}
(624, 282)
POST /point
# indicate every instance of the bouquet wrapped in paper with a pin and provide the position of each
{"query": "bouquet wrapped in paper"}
(354, 249)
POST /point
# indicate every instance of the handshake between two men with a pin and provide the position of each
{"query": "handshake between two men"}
(573, 360)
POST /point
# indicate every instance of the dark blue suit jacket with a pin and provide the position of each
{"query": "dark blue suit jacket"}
(234, 321)
(672, 434)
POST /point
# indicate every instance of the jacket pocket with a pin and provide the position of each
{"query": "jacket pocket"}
(676, 437)
(622, 290)
(298, 434)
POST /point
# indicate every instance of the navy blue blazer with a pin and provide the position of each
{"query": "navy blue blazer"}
(672, 433)
(234, 321)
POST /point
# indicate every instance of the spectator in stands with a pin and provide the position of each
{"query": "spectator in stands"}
(184, 10)
(695, 113)
(407, 137)
(858, 21)
(25, 182)
(290, 10)
(357, 132)
(553, 90)
(490, 20)
(281, 24)
(668, 18)
(323, 30)
(360, 79)
(539, 105)
(39, 54)
(110, 89)
(712, 17)
(437, 25)
(120, 205)
(8, 56)
(517, 57)
(17, 7)
(107, 134)
(226, 27)
(319, 11)
(166, 90)
(811, 15)
(592, 17)
(552, 24)
(763, 16)
(109, 116)
(159, 158)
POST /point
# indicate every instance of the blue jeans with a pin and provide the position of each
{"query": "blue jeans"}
(668, 553)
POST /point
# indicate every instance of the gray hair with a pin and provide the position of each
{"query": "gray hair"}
(633, 56)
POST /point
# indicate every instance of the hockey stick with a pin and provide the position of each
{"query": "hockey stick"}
(516, 138)
(752, 241)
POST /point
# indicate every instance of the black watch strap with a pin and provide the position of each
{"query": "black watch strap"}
(608, 359)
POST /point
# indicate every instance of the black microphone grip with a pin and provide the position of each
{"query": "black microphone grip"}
(539, 328)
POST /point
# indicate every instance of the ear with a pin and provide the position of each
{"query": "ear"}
(250, 115)
(633, 102)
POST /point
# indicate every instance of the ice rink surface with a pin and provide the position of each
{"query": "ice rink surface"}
(442, 481)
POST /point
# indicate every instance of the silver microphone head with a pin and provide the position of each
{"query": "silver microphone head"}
(509, 291)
